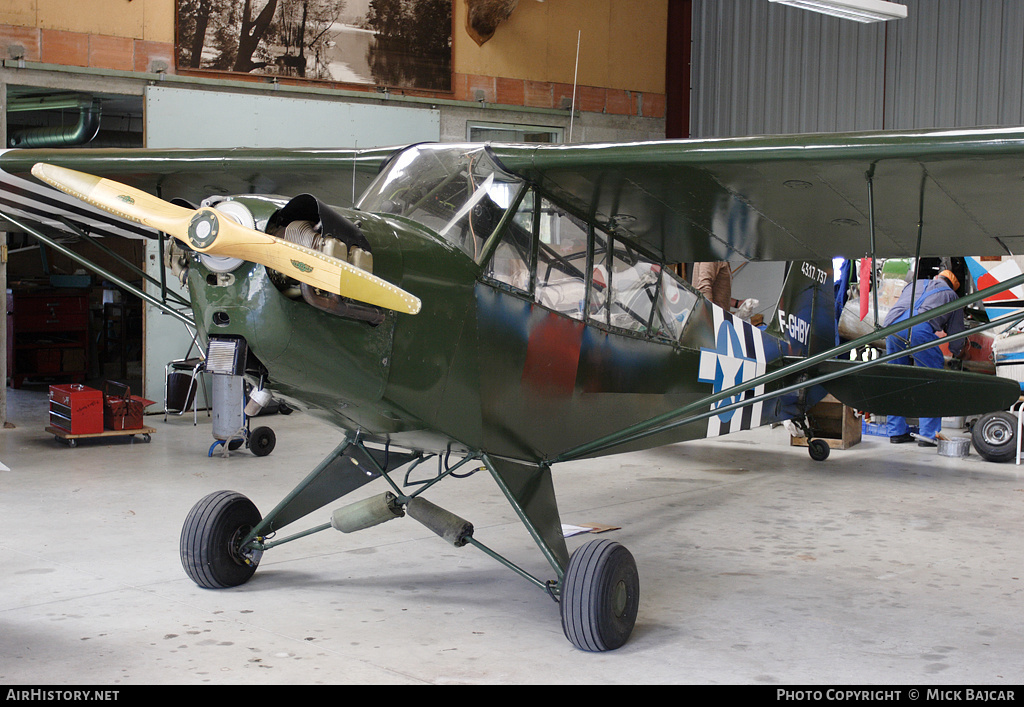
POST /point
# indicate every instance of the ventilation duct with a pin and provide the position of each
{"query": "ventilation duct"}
(82, 132)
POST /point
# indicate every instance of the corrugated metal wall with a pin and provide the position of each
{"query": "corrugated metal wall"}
(765, 68)
(956, 63)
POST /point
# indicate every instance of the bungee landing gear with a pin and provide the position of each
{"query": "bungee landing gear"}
(597, 588)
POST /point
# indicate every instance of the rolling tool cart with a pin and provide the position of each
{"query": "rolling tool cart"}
(78, 412)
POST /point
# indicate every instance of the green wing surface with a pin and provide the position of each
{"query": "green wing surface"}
(781, 198)
(336, 176)
(796, 197)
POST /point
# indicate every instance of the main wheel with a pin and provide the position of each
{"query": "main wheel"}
(211, 540)
(262, 441)
(818, 449)
(600, 596)
(995, 436)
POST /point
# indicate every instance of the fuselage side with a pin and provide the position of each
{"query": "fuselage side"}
(529, 342)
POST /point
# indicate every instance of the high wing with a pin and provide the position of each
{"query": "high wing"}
(778, 198)
(796, 197)
(771, 198)
(335, 176)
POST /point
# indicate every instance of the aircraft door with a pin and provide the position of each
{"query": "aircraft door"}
(543, 253)
(552, 258)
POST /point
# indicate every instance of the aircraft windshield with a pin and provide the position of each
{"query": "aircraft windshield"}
(459, 193)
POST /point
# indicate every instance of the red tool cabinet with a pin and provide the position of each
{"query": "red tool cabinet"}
(76, 408)
(48, 335)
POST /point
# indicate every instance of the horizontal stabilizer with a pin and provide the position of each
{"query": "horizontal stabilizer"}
(910, 391)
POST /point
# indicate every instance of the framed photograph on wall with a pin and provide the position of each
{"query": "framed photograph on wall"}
(393, 43)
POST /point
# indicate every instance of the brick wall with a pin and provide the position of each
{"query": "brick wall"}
(548, 94)
(52, 46)
(120, 53)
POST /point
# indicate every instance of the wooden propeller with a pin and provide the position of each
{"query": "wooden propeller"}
(206, 230)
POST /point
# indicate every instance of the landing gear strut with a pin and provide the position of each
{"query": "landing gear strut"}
(597, 587)
(818, 448)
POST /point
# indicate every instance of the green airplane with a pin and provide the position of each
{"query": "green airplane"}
(508, 307)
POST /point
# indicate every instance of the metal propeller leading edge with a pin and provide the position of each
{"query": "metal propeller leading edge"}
(209, 231)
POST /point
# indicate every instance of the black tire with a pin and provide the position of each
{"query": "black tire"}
(210, 540)
(995, 436)
(818, 449)
(600, 596)
(262, 441)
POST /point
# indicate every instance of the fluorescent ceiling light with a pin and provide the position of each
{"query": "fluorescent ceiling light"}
(857, 10)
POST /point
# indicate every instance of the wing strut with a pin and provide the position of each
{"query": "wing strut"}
(667, 421)
(163, 306)
(917, 251)
(161, 283)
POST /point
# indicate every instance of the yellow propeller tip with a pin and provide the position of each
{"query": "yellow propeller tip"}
(64, 178)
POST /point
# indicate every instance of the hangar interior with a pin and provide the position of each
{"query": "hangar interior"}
(882, 565)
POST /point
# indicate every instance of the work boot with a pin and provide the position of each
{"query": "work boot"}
(902, 439)
(926, 443)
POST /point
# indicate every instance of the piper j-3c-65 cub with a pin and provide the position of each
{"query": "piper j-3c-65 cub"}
(509, 307)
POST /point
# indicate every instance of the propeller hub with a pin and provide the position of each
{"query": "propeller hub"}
(202, 229)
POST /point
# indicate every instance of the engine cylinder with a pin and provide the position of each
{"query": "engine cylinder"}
(302, 233)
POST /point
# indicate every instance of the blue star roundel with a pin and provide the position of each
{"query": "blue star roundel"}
(738, 357)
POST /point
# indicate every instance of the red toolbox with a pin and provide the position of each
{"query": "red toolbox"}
(76, 408)
(121, 409)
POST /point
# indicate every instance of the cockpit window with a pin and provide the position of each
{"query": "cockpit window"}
(561, 261)
(459, 193)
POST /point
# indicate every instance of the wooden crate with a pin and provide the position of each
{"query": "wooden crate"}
(833, 422)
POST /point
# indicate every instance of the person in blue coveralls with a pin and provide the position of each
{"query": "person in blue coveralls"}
(929, 295)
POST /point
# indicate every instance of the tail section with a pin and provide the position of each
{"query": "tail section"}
(1002, 303)
(806, 318)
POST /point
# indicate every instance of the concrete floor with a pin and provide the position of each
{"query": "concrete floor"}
(883, 565)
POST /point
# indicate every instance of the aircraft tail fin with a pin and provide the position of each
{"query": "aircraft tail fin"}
(1001, 303)
(806, 318)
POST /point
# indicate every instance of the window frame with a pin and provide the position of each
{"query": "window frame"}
(520, 129)
(614, 246)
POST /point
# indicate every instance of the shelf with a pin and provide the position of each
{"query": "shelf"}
(48, 335)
